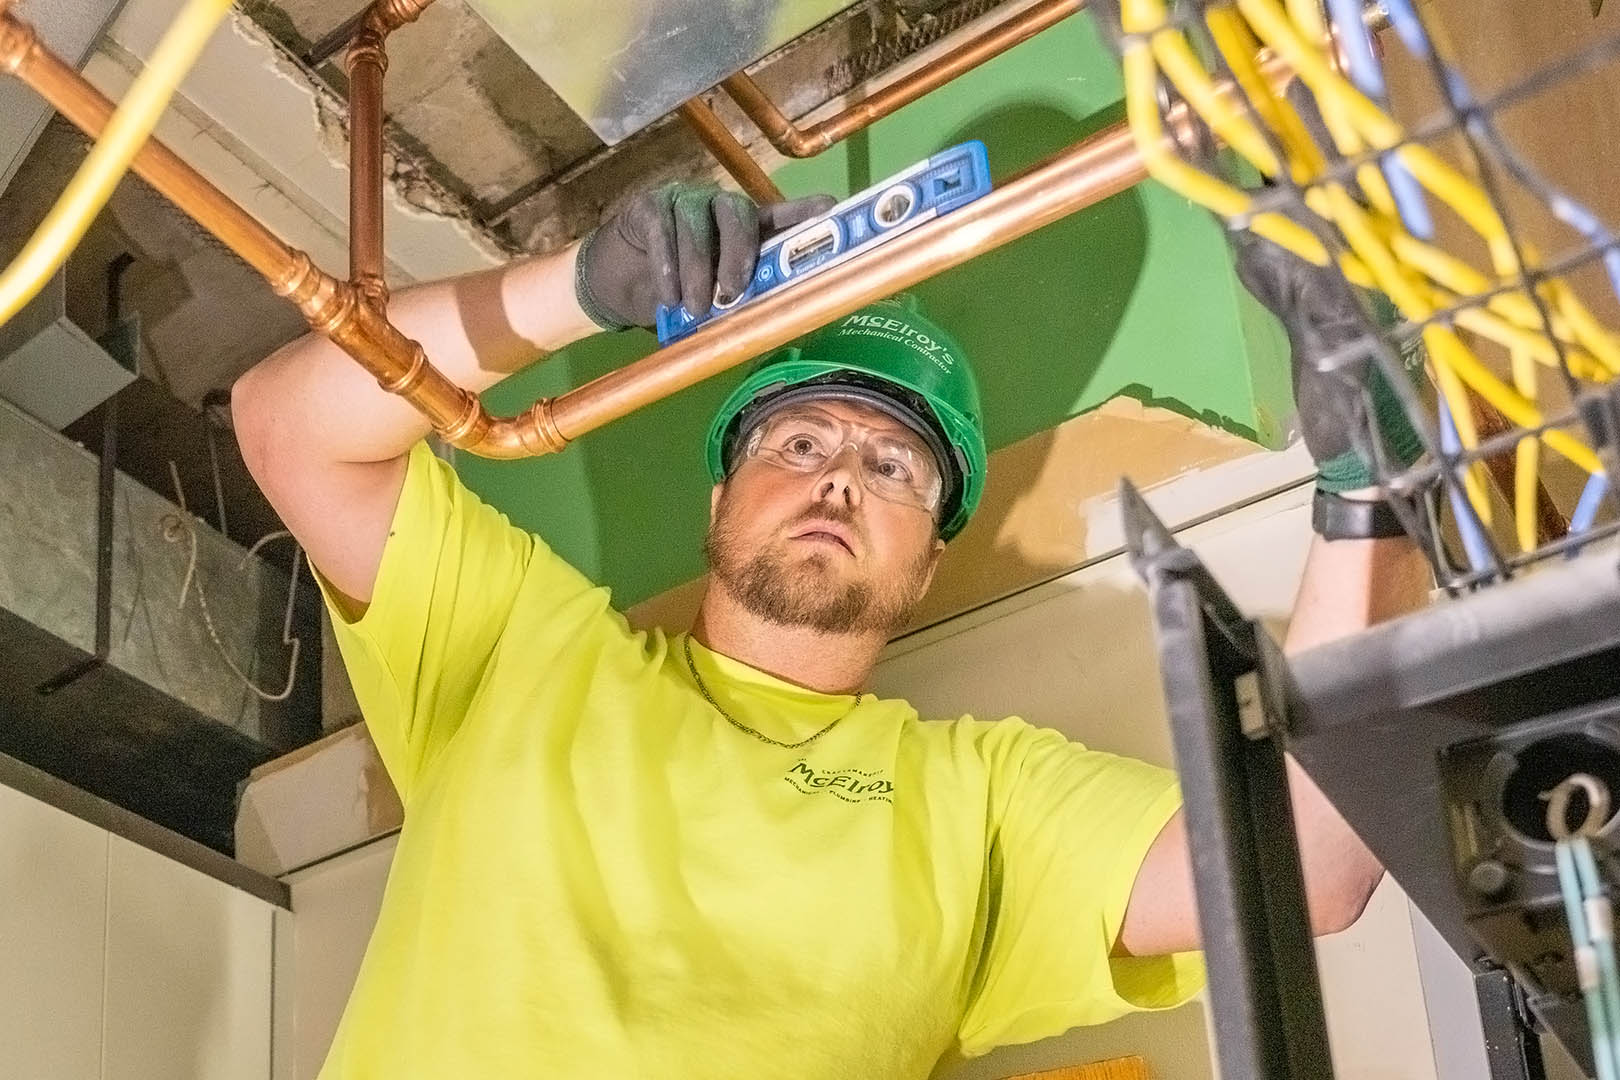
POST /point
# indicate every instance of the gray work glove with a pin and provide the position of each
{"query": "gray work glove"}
(1321, 316)
(672, 246)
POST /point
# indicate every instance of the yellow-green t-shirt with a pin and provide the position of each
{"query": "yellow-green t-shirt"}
(600, 877)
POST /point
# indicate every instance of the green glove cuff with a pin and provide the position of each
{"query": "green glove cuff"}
(1348, 471)
(582, 289)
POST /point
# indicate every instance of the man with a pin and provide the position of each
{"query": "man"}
(713, 854)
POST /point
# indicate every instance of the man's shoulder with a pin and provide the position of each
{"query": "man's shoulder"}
(990, 741)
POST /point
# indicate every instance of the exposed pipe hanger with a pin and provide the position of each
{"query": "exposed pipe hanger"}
(808, 142)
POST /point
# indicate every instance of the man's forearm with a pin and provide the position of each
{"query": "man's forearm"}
(1348, 586)
(477, 329)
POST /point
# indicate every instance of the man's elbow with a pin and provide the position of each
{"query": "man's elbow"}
(247, 416)
(1338, 905)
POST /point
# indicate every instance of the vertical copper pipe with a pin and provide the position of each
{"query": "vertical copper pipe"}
(807, 142)
(366, 62)
(730, 153)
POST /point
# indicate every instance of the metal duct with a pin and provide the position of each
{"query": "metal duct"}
(49, 367)
(621, 66)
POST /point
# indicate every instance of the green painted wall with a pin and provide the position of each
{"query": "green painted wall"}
(1134, 296)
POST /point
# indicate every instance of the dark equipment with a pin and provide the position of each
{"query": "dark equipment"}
(1435, 736)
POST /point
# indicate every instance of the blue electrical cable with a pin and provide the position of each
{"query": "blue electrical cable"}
(1586, 509)
(1368, 76)
(1600, 931)
(1477, 548)
(1586, 965)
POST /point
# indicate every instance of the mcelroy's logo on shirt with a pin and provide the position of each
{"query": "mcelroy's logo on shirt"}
(851, 785)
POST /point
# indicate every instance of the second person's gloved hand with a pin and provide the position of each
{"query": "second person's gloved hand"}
(678, 245)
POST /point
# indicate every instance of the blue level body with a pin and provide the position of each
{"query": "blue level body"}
(948, 180)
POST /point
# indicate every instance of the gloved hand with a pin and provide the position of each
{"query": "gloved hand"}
(1321, 316)
(672, 245)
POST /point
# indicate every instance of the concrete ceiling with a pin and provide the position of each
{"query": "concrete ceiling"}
(468, 115)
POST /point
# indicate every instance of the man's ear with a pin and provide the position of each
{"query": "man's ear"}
(933, 562)
(715, 494)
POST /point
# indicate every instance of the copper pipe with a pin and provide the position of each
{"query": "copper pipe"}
(334, 308)
(810, 141)
(730, 153)
(366, 62)
(1550, 521)
(1069, 181)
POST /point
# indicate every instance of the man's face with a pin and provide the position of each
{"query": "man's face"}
(818, 549)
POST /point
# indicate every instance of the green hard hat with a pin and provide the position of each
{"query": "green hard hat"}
(888, 356)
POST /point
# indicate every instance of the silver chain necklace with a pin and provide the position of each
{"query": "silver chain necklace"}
(740, 726)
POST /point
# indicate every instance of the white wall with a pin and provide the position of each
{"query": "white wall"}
(1076, 655)
(117, 963)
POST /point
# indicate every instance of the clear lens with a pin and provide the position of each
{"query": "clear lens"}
(894, 468)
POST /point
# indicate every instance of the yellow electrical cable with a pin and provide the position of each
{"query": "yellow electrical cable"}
(1526, 457)
(1382, 254)
(1592, 351)
(1443, 181)
(1358, 232)
(1448, 185)
(110, 158)
(1186, 72)
(1142, 111)
(1238, 47)
(1588, 331)
(1307, 15)
(1225, 118)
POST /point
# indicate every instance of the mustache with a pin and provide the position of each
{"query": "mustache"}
(838, 515)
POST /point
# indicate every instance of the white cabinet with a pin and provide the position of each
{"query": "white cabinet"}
(117, 963)
(188, 973)
(337, 903)
(53, 917)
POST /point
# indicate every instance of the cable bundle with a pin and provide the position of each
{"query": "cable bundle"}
(1344, 184)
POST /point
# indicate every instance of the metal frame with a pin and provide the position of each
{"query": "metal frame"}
(1368, 718)
(1265, 997)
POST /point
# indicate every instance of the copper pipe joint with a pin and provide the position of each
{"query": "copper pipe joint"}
(807, 142)
(730, 153)
(17, 41)
(386, 16)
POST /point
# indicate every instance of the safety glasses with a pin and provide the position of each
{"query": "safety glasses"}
(897, 468)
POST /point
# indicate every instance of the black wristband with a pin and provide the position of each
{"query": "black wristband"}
(1336, 518)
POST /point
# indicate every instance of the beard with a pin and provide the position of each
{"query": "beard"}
(772, 585)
